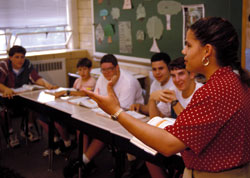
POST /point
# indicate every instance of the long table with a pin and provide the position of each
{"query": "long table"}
(87, 121)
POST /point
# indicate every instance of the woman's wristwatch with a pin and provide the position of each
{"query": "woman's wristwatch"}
(115, 116)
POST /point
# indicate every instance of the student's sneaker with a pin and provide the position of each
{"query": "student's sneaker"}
(67, 150)
(56, 148)
(32, 134)
(13, 140)
(56, 151)
(71, 169)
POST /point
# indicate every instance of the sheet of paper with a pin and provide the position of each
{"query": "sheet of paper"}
(191, 13)
(127, 4)
(157, 122)
(99, 33)
(125, 37)
(115, 13)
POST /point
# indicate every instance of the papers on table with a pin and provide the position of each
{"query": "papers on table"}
(157, 122)
(100, 112)
(135, 114)
(84, 101)
(26, 87)
(53, 91)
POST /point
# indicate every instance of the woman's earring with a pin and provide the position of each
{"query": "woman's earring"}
(205, 61)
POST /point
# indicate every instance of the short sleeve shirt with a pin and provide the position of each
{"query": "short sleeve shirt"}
(127, 89)
(215, 126)
(79, 84)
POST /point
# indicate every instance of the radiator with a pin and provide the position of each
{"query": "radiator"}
(52, 70)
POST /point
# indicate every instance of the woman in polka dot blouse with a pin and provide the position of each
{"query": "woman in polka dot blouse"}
(213, 132)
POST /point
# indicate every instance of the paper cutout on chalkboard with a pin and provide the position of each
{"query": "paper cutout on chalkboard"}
(127, 4)
(104, 13)
(168, 8)
(140, 12)
(125, 37)
(115, 13)
(100, 1)
(191, 13)
(154, 48)
(154, 30)
(140, 35)
(109, 32)
(99, 33)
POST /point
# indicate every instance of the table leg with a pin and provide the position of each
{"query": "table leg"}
(51, 143)
(80, 152)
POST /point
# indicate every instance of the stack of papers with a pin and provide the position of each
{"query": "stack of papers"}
(157, 122)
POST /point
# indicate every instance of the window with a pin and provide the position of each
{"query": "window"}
(35, 24)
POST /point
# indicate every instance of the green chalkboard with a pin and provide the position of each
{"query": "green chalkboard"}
(171, 40)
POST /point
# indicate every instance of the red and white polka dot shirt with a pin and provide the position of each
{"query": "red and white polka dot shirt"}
(215, 126)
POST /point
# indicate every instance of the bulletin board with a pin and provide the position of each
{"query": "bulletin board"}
(171, 41)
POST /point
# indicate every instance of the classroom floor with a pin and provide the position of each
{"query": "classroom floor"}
(27, 160)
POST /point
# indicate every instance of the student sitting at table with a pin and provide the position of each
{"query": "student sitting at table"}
(179, 99)
(128, 91)
(163, 80)
(15, 72)
(84, 67)
(85, 80)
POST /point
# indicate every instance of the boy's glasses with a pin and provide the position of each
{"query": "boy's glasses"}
(107, 69)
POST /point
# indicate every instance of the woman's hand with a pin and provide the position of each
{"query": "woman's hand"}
(110, 104)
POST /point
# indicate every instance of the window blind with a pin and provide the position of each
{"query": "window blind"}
(32, 13)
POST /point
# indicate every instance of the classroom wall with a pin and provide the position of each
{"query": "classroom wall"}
(85, 25)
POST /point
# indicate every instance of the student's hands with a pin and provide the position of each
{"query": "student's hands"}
(59, 93)
(49, 86)
(135, 107)
(46, 84)
(165, 95)
(110, 104)
(8, 93)
(169, 96)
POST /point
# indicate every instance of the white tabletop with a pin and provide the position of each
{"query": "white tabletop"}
(37, 96)
(80, 113)
(64, 106)
(96, 120)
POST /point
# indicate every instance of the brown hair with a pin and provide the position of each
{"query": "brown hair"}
(221, 34)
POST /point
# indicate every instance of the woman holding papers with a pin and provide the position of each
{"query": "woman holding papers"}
(212, 133)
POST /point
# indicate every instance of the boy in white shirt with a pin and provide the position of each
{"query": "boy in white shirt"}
(163, 80)
(128, 91)
(179, 99)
